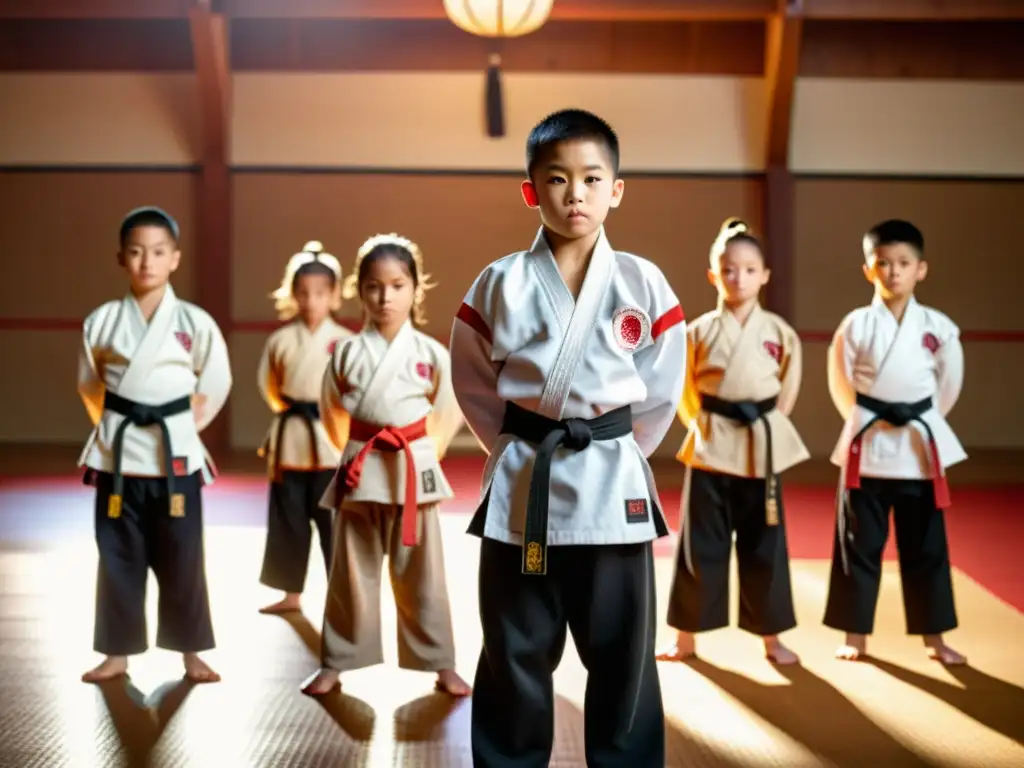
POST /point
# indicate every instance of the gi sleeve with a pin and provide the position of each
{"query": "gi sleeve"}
(661, 364)
(332, 413)
(842, 354)
(213, 369)
(949, 369)
(268, 378)
(474, 365)
(90, 383)
(791, 371)
(445, 420)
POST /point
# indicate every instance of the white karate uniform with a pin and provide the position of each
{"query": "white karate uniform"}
(520, 337)
(903, 362)
(180, 352)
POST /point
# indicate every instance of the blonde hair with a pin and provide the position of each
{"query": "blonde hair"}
(284, 295)
(731, 229)
(389, 243)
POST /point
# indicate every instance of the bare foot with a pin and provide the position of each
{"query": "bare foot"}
(854, 649)
(323, 682)
(111, 667)
(448, 681)
(197, 670)
(939, 651)
(683, 648)
(288, 604)
(777, 653)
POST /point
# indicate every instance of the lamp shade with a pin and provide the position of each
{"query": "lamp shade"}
(498, 18)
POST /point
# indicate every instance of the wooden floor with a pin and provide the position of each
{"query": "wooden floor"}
(730, 709)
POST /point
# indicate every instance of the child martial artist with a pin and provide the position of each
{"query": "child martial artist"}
(895, 370)
(742, 380)
(301, 459)
(388, 401)
(567, 360)
(153, 372)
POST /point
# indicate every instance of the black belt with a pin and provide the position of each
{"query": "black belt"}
(141, 415)
(748, 412)
(309, 412)
(548, 434)
(896, 414)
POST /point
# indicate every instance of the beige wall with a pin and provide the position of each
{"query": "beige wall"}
(299, 141)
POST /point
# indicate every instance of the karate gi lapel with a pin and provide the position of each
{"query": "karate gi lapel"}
(745, 353)
(890, 382)
(577, 319)
(153, 343)
(372, 406)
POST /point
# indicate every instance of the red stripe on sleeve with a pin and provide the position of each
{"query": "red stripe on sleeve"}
(472, 318)
(673, 317)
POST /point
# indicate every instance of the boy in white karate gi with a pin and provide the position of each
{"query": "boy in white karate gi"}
(153, 372)
(568, 363)
(895, 370)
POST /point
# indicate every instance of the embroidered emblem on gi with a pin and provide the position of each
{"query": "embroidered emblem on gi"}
(180, 465)
(184, 339)
(636, 511)
(775, 350)
(425, 370)
(333, 345)
(631, 327)
(931, 342)
(429, 483)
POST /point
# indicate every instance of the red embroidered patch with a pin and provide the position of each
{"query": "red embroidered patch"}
(774, 349)
(180, 466)
(931, 342)
(333, 345)
(631, 328)
(184, 339)
(425, 370)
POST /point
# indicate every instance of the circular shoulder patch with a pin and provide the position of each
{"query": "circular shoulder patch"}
(631, 327)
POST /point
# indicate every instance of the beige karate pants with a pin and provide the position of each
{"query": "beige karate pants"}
(363, 534)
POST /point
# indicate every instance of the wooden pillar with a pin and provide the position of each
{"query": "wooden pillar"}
(213, 199)
(782, 63)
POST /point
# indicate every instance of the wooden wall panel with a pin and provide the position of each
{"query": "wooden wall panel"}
(972, 247)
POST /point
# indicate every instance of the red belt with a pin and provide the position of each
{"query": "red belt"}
(897, 414)
(391, 440)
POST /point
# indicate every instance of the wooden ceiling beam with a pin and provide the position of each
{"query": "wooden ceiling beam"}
(565, 10)
(914, 10)
(94, 9)
(571, 10)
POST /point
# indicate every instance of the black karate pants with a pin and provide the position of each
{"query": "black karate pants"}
(721, 505)
(923, 556)
(294, 508)
(146, 536)
(605, 596)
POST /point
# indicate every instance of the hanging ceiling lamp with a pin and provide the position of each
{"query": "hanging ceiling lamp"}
(497, 19)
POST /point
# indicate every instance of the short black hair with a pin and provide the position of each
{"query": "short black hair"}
(148, 216)
(570, 125)
(892, 232)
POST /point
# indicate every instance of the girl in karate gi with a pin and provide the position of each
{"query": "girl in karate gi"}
(742, 379)
(387, 401)
(301, 458)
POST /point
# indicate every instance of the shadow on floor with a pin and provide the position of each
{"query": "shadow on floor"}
(992, 702)
(811, 711)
